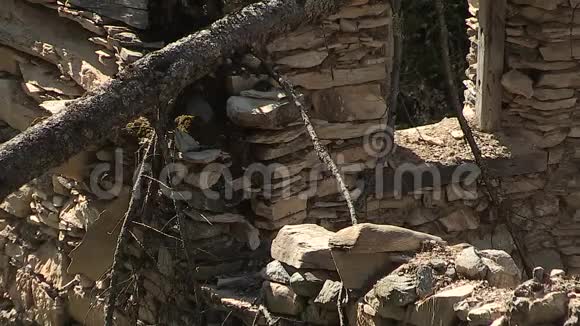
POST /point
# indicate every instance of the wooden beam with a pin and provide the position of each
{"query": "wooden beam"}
(490, 63)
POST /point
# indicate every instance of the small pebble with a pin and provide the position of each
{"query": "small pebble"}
(457, 134)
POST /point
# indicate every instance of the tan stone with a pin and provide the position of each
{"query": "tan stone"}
(260, 113)
(279, 209)
(326, 78)
(351, 26)
(547, 105)
(527, 42)
(281, 299)
(547, 94)
(276, 137)
(559, 80)
(348, 103)
(42, 33)
(303, 246)
(547, 5)
(546, 140)
(438, 309)
(54, 106)
(47, 77)
(520, 63)
(268, 152)
(460, 220)
(561, 51)
(86, 310)
(9, 61)
(518, 83)
(360, 270)
(359, 11)
(51, 264)
(94, 256)
(266, 224)
(18, 203)
(327, 130)
(76, 167)
(372, 238)
(304, 38)
(15, 107)
(302, 60)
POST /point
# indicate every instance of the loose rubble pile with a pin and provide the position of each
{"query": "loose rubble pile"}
(426, 282)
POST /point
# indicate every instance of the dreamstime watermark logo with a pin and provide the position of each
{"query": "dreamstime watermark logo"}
(184, 180)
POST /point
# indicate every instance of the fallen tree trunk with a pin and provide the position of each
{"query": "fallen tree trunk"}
(142, 86)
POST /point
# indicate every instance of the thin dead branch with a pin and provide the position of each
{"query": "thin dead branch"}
(493, 193)
(123, 236)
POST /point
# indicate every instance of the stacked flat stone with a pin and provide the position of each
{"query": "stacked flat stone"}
(540, 89)
(470, 93)
(342, 67)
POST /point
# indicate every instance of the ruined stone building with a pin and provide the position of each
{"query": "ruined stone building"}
(243, 166)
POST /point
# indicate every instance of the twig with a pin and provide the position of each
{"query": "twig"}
(122, 239)
(454, 94)
(320, 150)
(161, 130)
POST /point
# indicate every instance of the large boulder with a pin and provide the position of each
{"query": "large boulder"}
(372, 238)
(303, 246)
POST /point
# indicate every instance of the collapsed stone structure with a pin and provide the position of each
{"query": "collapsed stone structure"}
(435, 284)
(248, 146)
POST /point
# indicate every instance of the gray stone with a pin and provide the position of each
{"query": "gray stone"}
(309, 284)
(328, 296)
(469, 264)
(425, 281)
(461, 219)
(372, 238)
(395, 290)
(276, 272)
(315, 315)
(503, 271)
(303, 246)
(281, 299)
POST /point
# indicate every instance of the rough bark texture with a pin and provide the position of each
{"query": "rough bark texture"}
(142, 86)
